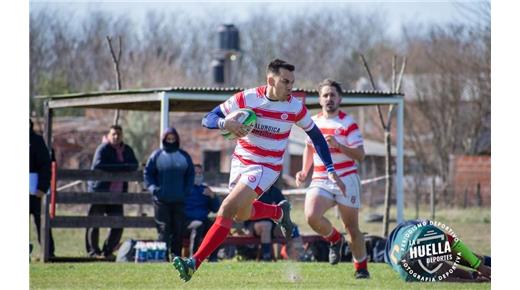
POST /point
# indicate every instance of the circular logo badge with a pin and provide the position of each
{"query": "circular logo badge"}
(251, 178)
(284, 116)
(426, 253)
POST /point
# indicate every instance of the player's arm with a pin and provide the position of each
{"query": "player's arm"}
(357, 153)
(307, 161)
(215, 119)
(354, 143)
(320, 145)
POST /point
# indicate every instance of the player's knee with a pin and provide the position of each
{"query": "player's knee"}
(228, 209)
(312, 217)
(241, 217)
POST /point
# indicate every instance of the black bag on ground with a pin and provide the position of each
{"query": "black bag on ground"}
(376, 247)
(320, 250)
(126, 252)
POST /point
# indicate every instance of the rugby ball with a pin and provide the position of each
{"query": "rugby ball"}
(245, 116)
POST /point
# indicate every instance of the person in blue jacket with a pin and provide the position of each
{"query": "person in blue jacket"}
(169, 175)
(198, 205)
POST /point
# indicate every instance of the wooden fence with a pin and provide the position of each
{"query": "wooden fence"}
(51, 220)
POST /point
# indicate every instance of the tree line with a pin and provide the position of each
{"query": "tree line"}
(447, 80)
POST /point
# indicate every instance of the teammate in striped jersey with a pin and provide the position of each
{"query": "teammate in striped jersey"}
(346, 147)
(258, 157)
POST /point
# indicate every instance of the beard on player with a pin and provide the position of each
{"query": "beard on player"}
(331, 107)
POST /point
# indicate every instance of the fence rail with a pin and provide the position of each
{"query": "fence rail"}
(71, 197)
(103, 198)
(102, 222)
(85, 174)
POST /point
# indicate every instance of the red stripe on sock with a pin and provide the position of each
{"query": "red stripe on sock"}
(213, 239)
(334, 237)
(263, 210)
(360, 265)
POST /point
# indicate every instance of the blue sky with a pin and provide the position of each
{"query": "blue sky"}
(396, 13)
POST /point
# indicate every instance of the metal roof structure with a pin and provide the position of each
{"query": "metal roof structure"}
(183, 99)
(204, 99)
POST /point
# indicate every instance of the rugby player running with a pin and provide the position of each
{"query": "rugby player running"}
(346, 146)
(258, 157)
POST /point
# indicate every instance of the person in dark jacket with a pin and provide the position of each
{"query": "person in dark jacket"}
(198, 205)
(40, 169)
(112, 156)
(264, 228)
(169, 175)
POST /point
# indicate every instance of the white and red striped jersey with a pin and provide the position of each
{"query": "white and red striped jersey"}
(347, 133)
(266, 143)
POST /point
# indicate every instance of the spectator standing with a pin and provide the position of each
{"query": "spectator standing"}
(39, 179)
(169, 175)
(110, 156)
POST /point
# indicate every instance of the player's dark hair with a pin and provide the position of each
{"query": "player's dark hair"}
(197, 165)
(275, 66)
(116, 127)
(329, 82)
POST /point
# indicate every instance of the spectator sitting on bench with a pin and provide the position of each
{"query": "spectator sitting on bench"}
(264, 228)
(198, 205)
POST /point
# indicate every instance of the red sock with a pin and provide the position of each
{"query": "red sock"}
(333, 237)
(360, 265)
(263, 210)
(214, 238)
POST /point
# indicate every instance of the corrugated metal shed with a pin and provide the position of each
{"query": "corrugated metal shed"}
(188, 99)
(203, 99)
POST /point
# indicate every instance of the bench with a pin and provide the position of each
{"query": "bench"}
(50, 220)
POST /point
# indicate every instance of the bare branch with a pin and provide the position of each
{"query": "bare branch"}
(120, 50)
(365, 64)
(116, 68)
(367, 69)
(401, 73)
(394, 59)
(109, 41)
(389, 116)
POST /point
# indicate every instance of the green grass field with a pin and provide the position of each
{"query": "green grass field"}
(472, 225)
(223, 275)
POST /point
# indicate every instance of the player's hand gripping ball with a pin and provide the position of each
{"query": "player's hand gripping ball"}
(246, 117)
